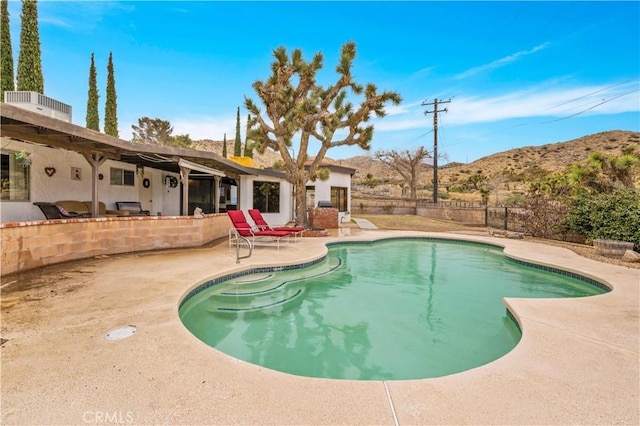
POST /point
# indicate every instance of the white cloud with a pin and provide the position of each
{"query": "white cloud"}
(208, 127)
(400, 109)
(500, 62)
(537, 102)
(543, 102)
(78, 17)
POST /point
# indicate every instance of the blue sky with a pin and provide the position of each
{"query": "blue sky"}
(517, 73)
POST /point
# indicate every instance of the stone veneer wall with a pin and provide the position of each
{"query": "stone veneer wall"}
(28, 245)
(323, 218)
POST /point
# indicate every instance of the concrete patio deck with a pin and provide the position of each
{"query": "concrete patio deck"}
(577, 362)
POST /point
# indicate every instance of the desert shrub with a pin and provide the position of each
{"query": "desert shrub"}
(614, 216)
(545, 216)
(514, 200)
(388, 209)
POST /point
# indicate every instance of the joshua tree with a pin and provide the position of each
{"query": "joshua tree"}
(297, 107)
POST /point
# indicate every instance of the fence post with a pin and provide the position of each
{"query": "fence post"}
(486, 215)
(506, 221)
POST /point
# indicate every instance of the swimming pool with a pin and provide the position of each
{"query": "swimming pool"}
(392, 309)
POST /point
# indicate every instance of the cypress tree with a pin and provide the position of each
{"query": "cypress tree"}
(248, 148)
(7, 82)
(29, 61)
(237, 146)
(93, 120)
(224, 146)
(111, 106)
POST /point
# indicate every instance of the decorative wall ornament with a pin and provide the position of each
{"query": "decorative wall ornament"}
(50, 171)
(146, 182)
(76, 173)
(170, 181)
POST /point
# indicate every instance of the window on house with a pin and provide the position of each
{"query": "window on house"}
(339, 198)
(266, 196)
(122, 177)
(14, 178)
(311, 196)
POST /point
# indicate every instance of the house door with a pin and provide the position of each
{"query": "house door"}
(201, 193)
(145, 191)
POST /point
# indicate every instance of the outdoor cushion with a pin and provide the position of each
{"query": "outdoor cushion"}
(133, 207)
(262, 224)
(73, 207)
(242, 226)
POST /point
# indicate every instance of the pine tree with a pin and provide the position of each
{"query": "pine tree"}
(237, 146)
(7, 82)
(111, 106)
(29, 61)
(224, 146)
(93, 119)
(248, 145)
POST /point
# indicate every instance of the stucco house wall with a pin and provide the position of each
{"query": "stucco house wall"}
(286, 213)
(337, 178)
(60, 186)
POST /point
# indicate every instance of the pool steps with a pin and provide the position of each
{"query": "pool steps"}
(264, 291)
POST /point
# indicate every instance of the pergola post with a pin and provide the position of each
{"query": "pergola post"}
(95, 160)
(216, 194)
(184, 177)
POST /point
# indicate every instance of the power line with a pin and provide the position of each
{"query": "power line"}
(604, 101)
(435, 141)
(593, 93)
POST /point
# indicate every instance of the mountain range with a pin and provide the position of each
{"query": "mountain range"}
(551, 157)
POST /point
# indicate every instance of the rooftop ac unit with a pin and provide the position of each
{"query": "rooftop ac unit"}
(36, 102)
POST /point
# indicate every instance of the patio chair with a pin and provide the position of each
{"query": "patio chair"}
(256, 215)
(242, 228)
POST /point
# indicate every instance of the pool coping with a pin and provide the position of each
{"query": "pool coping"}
(576, 363)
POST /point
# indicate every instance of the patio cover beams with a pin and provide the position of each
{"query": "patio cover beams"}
(96, 147)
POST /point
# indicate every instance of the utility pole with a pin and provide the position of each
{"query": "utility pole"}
(435, 112)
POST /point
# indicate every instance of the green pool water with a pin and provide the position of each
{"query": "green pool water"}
(392, 310)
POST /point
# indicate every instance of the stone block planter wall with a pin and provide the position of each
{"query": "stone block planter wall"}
(28, 245)
(611, 248)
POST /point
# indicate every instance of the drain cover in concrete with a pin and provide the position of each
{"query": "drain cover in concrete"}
(121, 333)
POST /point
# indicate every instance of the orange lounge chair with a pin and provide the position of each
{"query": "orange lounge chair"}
(262, 225)
(242, 228)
